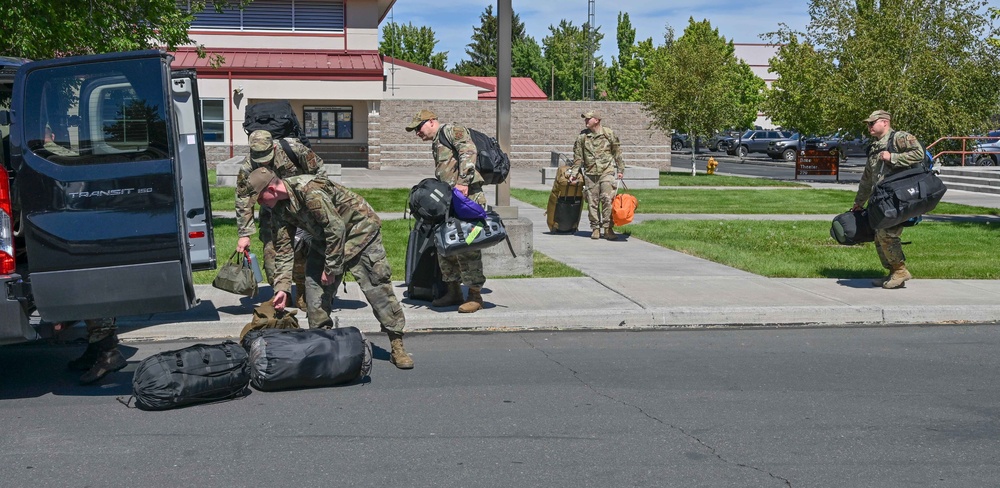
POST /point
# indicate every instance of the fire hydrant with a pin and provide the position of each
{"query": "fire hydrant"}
(711, 165)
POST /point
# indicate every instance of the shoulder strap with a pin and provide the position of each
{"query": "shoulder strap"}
(891, 145)
(444, 140)
(290, 153)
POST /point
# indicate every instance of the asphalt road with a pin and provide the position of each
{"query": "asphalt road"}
(886, 407)
(760, 165)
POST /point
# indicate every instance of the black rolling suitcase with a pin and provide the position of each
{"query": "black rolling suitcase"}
(423, 274)
(305, 358)
(567, 214)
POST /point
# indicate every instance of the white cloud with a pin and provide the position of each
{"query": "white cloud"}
(742, 22)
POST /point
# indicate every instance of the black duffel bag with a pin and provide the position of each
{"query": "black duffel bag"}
(297, 358)
(197, 374)
(850, 228)
(903, 195)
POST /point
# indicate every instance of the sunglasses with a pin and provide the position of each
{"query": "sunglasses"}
(417, 129)
(873, 122)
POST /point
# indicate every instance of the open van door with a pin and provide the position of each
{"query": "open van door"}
(112, 185)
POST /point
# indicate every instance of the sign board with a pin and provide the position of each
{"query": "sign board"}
(822, 162)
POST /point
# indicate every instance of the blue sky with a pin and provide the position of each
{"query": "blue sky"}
(739, 21)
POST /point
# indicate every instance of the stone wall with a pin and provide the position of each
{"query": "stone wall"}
(537, 129)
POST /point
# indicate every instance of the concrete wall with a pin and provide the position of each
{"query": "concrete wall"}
(537, 129)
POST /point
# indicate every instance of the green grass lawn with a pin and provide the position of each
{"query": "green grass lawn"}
(668, 178)
(804, 249)
(746, 201)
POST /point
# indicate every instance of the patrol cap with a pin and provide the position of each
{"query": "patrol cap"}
(421, 117)
(878, 114)
(591, 114)
(260, 178)
(261, 146)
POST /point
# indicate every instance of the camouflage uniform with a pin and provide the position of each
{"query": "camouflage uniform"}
(346, 236)
(908, 152)
(600, 156)
(455, 170)
(309, 163)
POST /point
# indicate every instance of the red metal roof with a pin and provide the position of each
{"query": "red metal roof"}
(520, 88)
(271, 64)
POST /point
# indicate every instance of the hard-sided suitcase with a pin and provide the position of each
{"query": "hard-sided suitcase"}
(197, 374)
(295, 358)
(565, 203)
(423, 273)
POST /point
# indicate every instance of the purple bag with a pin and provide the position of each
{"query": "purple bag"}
(464, 208)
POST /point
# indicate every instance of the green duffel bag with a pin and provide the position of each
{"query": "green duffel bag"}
(236, 276)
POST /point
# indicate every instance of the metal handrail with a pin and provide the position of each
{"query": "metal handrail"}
(964, 153)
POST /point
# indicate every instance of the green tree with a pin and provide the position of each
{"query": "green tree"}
(627, 77)
(39, 29)
(930, 64)
(692, 83)
(526, 54)
(568, 49)
(799, 97)
(413, 44)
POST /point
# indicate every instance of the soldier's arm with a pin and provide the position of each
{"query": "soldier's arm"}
(616, 153)
(908, 151)
(244, 204)
(310, 161)
(577, 156)
(322, 211)
(284, 254)
(865, 186)
(467, 155)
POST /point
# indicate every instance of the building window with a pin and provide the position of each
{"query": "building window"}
(213, 120)
(285, 15)
(329, 122)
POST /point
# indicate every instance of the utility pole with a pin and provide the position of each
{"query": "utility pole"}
(588, 68)
(505, 16)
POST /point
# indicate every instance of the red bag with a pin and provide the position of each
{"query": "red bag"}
(623, 207)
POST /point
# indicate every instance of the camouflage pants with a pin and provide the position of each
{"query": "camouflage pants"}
(373, 274)
(299, 268)
(888, 246)
(99, 329)
(600, 192)
(466, 267)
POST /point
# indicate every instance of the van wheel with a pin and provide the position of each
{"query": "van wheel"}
(789, 155)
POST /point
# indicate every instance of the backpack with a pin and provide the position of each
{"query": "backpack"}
(430, 200)
(491, 162)
(276, 117)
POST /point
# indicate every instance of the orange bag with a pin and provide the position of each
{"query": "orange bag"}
(623, 207)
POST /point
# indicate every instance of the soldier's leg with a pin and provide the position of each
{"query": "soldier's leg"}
(451, 274)
(299, 276)
(102, 333)
(607, 186)
(374, 275)
(471, 264)
(889, 241)
(593, 203)
(319, 297)
(264, 220)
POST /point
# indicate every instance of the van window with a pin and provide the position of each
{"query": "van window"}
(110, 112)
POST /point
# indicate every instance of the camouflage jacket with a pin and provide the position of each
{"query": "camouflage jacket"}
(598, 153)
(455, 169)
(338, 219)
(283, 167)
(907, 152)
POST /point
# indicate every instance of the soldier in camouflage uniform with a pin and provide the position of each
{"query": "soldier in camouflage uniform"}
(598, 153)
(263, 153)
(906, 153)
(102, 355)
(346, 235)
(459, 172)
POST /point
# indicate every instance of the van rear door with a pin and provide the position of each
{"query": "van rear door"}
(101, 146)
(197, 204)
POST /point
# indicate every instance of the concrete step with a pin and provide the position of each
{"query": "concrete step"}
(976, 171)
(973, 188)
(970, 180)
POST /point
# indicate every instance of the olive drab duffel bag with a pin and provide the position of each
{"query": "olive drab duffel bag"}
(200, 373)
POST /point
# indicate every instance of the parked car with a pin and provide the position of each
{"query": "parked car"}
(990, 156)
(721, 140)
(755, 141)
(785, 149)
(678, 141)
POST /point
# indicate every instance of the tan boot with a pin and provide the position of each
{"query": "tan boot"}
(596, 234)
(609, 234)
(881, 281)
(475, 301)
(898, 277)
(452, 297)
(398, 356)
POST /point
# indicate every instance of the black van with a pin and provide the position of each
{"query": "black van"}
(104, 210)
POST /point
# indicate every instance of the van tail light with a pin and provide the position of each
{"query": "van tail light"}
(7, 263)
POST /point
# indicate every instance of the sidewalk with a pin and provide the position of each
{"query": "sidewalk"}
(629, 284)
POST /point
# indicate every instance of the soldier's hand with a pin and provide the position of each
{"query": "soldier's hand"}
(326, 279)
(462, 188)
(855, 208)
(620, 175)
(242, 244)
(280, 300)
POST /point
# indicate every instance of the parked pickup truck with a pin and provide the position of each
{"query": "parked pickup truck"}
(104, 202)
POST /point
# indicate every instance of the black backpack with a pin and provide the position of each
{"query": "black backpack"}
(276, 117)
(430, 200)
(197, 374)
(491, 162)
